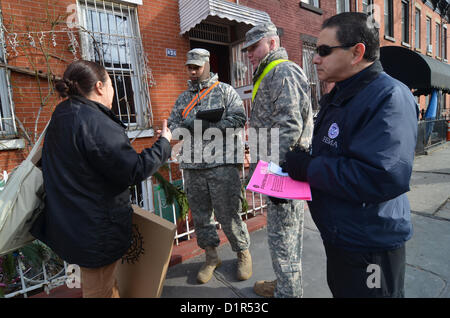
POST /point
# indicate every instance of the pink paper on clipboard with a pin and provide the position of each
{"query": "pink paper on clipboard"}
(265, 182)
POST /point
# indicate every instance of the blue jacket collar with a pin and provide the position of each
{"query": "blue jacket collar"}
(348, 88)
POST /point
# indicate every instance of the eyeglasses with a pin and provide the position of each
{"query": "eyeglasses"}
(325, 50)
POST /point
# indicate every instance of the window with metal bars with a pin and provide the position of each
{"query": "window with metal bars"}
(367, 6)
(211, 32)
(317, 87)
(7, 121)
(110, 36)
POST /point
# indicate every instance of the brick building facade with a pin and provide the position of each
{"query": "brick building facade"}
(40, 38)
(418, 25)
(143, 45)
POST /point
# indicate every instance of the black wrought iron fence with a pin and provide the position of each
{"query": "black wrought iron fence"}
(430, 133)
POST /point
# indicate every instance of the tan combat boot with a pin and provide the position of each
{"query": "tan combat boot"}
(212, 262)
(244, 268)
(265, 288)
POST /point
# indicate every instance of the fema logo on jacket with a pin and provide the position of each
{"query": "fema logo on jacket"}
(333, 132)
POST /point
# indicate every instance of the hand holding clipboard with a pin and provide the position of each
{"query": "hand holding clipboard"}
(212, 115)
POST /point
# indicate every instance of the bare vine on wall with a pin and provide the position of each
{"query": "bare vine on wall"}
(32, 49)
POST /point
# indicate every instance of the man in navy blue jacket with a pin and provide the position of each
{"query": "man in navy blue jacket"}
(360, 163)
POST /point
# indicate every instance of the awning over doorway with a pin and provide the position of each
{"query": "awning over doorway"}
(415, 70)
(194, 12)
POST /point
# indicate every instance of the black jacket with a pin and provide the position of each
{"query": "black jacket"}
(88, 164)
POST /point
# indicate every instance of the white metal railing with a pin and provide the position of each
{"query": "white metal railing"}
(255, 203)
(38, 281)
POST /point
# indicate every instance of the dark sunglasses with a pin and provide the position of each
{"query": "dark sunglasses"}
(325, 50)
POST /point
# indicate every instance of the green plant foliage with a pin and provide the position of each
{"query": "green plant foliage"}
(32, 255)
(35, 253)
(9, 268)
(174, 193)
(244, 202)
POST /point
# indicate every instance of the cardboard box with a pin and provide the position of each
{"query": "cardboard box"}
(143, 269)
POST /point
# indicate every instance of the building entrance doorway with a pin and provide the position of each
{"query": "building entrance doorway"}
(219, 58)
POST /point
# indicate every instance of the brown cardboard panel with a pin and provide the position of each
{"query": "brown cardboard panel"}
(143, 269)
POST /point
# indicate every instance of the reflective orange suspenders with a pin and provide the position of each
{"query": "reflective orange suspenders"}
(196, 98)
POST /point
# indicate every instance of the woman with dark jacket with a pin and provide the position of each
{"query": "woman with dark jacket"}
(88, 164)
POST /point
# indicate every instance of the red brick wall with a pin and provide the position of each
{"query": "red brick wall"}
(425, 11)
(159, 27)
(21, 17)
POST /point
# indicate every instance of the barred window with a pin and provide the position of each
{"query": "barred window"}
(7, 121)
(317, 87)
(367, 5)
(110, 36)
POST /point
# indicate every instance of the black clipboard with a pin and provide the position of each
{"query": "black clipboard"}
(212, 115)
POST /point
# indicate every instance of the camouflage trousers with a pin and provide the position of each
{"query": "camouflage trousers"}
(217, 189)
(285, 238)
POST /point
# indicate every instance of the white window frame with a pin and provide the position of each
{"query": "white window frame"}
(8, 127)
(405, 23)
(429, 34)
(314, 3)
(339, 4)
(438, 39)
(444, 42)
(317, 88)
(367, 5)
(417, 25)
(389, 18)
(131, 46)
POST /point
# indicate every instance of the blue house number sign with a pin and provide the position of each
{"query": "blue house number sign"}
(171, 52)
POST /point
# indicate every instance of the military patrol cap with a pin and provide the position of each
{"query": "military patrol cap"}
(197, 57)
(257, 33)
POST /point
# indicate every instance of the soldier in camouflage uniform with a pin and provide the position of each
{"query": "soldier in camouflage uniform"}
(281, 101)
(212, 178)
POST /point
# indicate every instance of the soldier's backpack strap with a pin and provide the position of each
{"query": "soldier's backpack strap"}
(267, 69)
(197, 97)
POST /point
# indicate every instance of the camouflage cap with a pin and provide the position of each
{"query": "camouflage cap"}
(258, 32)
(197, 57)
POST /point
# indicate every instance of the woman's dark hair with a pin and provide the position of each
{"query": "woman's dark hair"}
(80, 78)
(356, 27)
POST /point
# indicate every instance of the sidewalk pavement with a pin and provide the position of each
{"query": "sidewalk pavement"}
(427, 253)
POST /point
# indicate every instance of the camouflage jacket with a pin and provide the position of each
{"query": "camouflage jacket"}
(201, 152)
(282, 101)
